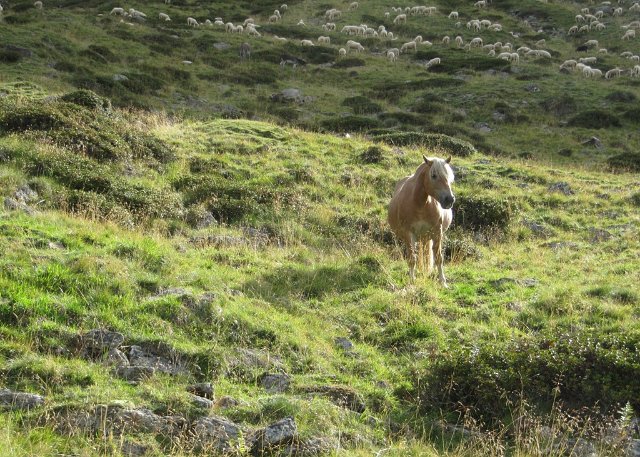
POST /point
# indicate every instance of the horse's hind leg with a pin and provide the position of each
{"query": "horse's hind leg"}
(412, 254)
(429, 254)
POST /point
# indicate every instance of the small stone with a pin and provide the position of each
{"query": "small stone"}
(202, 389)
(221, 46)
(56, 245)
(100, 340)
(342, 396)
(558, 245)
(135, 373)
(593, 141)
(561, 187)
(25, 194)
(131, 449)
(599, 235)
(483, 127)
(19, 400)
(634, 448)
(277, 434)
(119, 77)
(140, 357)
(343, 343)
(202, 402)
(275, 383)
(226, 402)
(117, 358)
(311, 447)
(215, 431)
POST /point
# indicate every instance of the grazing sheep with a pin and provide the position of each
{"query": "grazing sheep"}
(192, 22)
(613, 73)
(568, 64)
(432, 62)
(332, 14)
(117, 11)
(459, 41)
(164, 17)
(573, 30)
(251, 31)
(324, 40)
(245, 51)
(229, 27)
(541, 43)
(599, 14)
(392, 56)
(584, 10)
(409, 45)
(135, 14)
(390, 36)
(523, 50)
(626, 54)
(38, 4)
(247, 21)
(635, 71)
(353, 6)
(634, 58)
(635, 8)
(284, 7)
(306, 43)
(301, 23)
(400, 18)
(355, 45)
(588, 59)
(280, 39)
(329, 26)
(239, 29)
(492, 53)
(476, 42)
(218, 22)
(446, 40)
(480, 4)
(592, 44)
(396, 51)
(453, 15)
(387, 15)
(497, 28)
(584, 28)
(600, 26)
(603, 51)
(580, 18)
(485, 23)
(342, 52)
(596, 73)
(629, 34)
(504, 56)
(273, 19)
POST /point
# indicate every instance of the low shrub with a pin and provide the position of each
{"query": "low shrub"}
(349, 62)
(373, 154)
(594, 119)
(401, 118)
(362, 105)
(627, 161)
(621, 96)
(478, 213)
(88, 99)
(447, 143)
(350, 124)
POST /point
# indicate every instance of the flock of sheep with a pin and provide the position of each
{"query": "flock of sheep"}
(585, 22)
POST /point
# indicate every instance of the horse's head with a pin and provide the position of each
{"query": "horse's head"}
(438, 180)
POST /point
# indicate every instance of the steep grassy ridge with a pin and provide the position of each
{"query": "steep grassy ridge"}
(237, 248)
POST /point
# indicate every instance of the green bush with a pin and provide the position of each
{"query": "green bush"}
(361, 105)
(463, 61)
(350, 124)
(627, 161)
(88, 99)
(477, 213)
(579, 368)
(401, 118)
(452, 145)
(349, 62)
(9, 56)
(373, 154)
(594, 119)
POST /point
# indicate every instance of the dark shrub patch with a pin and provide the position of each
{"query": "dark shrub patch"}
(88, 99)
(463, 61)
(350, 124)
(594, 119)
(317, 54)
(9, 56)
(455, 146)
(632, 115)
(141, 83)
(560, 106)
(621, 96)
(373, 154)
(362, 105)
(349, 62)
(480, 213)
(588, 369)
(256, 74)
(65, 66)
(401, 118)
(635, 199)
(627, 161)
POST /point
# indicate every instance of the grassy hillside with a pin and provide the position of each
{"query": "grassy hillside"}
(178, 227)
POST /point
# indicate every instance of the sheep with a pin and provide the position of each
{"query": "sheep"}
(497, 28)
(164, 17)
(573, 30)
(353, 6)
(392, 56)
(523, 50)
(355, 45)
(617, 12)
(192, 22)
(634, 58)
(342, 52)
(515, 57)
(277, 13)
(580, 18)
(38, 4)
(251, 31)
(306, 43)
(591, 44)
(390, 36)
(588, 59)
(247, 21)
(600, 26)
(629, 34)
(446, 40)
(489, 47)
(635, 71)
(238, 29)
(245, 51)
(596, 73)
(400, 18)
(635, 8)
(480, 4)
(459, 41)
(135, 14)
(301, 23)
(599, 14)
(584, 28)
(432, 62)
(273, 19)
(409, 45)
(453, 15)
(387, 15)
(568, 64)
(396, 51)
(329, 26)
(418, 39)
(613, 73)
(504, 56)
(476, 42)
(584, 10)
(280, 39)
(485, 23)
(284, 7)
(332, 14)
(492, 53)
(117, 11)
(541, 43)
(603, 51)
(324, 40)
(626, 54)
(218, 22)
(229, 27)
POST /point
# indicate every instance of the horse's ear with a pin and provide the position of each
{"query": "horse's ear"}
(427, 161)
(448, 160)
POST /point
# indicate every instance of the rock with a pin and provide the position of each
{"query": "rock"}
(288, 95)
(24, 52)
(97, 341)
(144, 420)
(135, 373)
(142, 358)
(119, 77)
(558, 245)
(599, 235)
(226, 402)
(117, 358)
(221, 46)
(593, 141)
(19, 400)
(310, 447)
(344, 344)
(215, 431)
(498, 116)
(202, 389)
(57, 245)
(579, 447)
(282, 432)
(25, 194)
(561, 187)
(634, 448)
(202, 402)
(11, 204)
(342, 396)
(537, 229)
(275, 383)
(483, 127)
(532, 88)
(131, 449)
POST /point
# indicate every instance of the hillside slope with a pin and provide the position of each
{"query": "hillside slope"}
(256, 258)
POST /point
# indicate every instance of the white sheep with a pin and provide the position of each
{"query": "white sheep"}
(135, 14)
(629, 34)
(238, 29)
(248, 21)
(306, 43)
(387, 15)
(229, 27)
(453, 15)
(592, 44)
(251, 31)
(568, 64)
(284, 7)
(497, 28)
(409, 45)
(634, 58)
(603, 51)
(584, 28)
(626, 54)
(599, 26)
(418, 39)
(504, 56)
(392, 56)
(480, 4)
(541, 43)
(273, 19)
(635, 71)
(635, 8)
(617, 12)
(588, 59)
(400, 18)
(446, 40)
(164, 17)
(390, 36)
(396, 51)
(515, 57)
(584, 10)
(476, 42)
(324, 40)
(280, 39)
(580, 18)
(573, 30)
(117, 11)
(218, 22)
(492, 53)
(355, 45)
(459, 41)
(432, 62)
(192, 22)
(301, 23)
(38, 4)
(342, 52)
(353, 6)
(523, 50)
(613, 73)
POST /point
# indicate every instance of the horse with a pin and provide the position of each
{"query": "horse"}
(420, 212)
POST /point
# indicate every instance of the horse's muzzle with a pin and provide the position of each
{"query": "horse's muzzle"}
(447, 202)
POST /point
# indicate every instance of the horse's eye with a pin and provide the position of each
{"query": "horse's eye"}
(434, 176)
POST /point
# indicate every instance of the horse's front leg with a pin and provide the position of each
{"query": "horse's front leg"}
(437, 251)
(412, 255)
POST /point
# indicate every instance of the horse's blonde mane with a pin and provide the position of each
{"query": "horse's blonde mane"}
(442, 167)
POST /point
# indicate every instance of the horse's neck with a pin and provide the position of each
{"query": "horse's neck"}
(420, 191)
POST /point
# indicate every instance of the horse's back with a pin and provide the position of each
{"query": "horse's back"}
(395, 206)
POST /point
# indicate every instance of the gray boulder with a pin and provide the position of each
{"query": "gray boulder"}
(277, 434)
(19, 400)
(135, 373)
(217, 432)
(97, 341)
(275, 383)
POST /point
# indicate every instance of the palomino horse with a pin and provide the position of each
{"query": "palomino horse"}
(420, 212)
